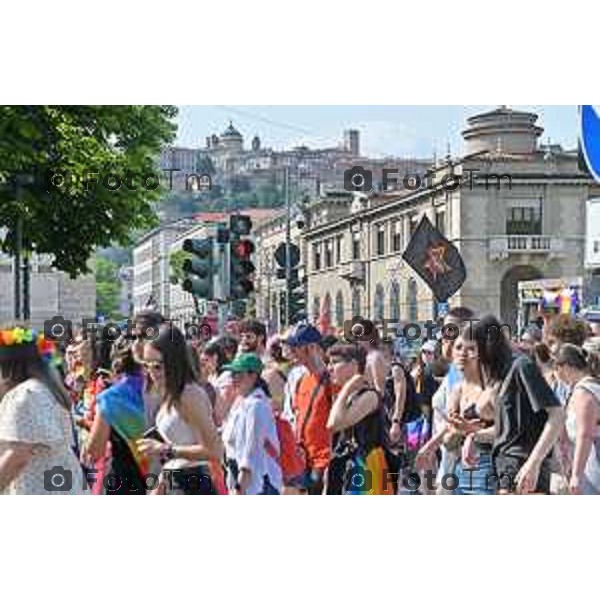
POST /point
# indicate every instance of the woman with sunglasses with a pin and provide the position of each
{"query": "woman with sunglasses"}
(472, 408)
(250, 434)
(580, 371)
(482, 356)
(189, 449)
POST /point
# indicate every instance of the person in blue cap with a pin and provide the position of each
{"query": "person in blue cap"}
(312, 400)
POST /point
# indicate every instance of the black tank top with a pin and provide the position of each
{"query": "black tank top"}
(364, 435)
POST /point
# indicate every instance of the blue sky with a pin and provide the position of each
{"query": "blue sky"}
(385, 130)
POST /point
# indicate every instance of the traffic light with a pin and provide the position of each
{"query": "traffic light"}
(199, 269)
(241, 267)
(240, 225)
(297, 299)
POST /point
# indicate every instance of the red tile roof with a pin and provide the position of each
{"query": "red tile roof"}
(257, 214)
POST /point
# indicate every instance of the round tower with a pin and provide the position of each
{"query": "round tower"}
(502, 130)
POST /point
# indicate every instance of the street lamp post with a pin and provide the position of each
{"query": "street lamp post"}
(17, 266)
(288, 244)
(21, 260)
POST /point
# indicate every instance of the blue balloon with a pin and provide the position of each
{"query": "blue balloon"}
(590, 139)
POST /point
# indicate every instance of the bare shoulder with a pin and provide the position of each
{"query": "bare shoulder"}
(398, 373)
(582, 398)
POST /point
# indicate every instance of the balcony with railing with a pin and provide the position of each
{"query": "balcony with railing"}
(502, 247)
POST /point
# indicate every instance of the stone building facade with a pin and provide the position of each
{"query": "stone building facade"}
(53, 293)
(518, 214)
(592, 256)
(151, 266)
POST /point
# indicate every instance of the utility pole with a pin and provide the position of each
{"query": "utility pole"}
(288, 245)
(225, 285)
(21, 258)
(17, 264)
(26, 288)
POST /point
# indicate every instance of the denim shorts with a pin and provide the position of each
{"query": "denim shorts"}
(478, 480)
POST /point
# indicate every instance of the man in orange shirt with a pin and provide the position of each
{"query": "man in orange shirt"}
(311, 403)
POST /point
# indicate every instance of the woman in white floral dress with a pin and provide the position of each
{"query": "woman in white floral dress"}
(36, 435)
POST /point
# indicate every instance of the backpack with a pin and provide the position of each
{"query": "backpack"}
(290, 458)
(411, 408)
(416, 429)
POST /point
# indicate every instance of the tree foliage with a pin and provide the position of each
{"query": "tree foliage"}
(108, 288)
(70, 221)
(176, 260)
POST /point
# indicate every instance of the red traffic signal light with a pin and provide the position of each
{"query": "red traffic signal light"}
(242, 249)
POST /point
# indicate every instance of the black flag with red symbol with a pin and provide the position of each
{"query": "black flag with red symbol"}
(436, 260)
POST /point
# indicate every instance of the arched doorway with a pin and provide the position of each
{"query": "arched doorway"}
(339, 309)
(316, 309)
(411, 300)
(379, 303)
(509, 292)
(356, 312)
(395, 302)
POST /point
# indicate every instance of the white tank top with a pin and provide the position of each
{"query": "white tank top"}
(175, 429)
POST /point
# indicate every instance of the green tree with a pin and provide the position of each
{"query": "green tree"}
(108, 288)
(71, 221)
(176, 260)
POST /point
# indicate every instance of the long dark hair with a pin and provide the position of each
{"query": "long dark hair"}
(176, 362)
(19, 369)
(495, 354)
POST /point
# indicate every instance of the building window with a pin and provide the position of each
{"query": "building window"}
(316, 257)
(380, 250)
(395, 302)
(397, 236)
(327, 311)
(338, 248)
(356, 246)
(596, 246)
(316, 308)
(411, 300)
(440, 222)
(339, 309)
(414, 223)
(356, 303)
(328, 254)
(524, 220)
(379, 303)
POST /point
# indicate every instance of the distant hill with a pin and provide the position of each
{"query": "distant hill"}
(186, 204)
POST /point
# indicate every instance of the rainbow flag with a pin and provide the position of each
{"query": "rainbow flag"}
(122, 407)
(376, 465)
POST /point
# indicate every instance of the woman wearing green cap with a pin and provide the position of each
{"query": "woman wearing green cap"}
(249, 434)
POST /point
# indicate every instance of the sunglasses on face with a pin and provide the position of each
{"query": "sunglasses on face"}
(153, 365)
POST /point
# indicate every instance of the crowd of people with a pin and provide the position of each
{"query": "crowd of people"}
(476, 412)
